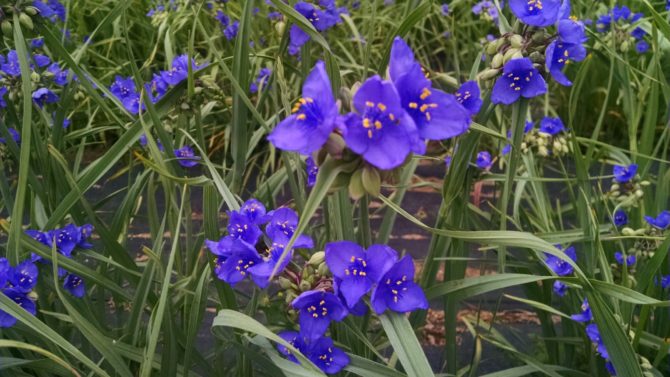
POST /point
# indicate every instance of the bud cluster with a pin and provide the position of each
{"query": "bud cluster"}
(628, 193)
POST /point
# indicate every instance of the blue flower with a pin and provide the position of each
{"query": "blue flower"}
(357, 270)
(75, 285)
(43, 96)
(312, 170)
(436, 114)
(14, 134)
(382, 132)
(41, 60)
(3, 92)
(313, 116)
(642, 46)
(255, 211)
(143, 142)
(571, 31)
(558, 265)
(620, 218)
(320, 19)
(37, 43)
(469, 96)
(283, 222)
(397, 291)
(23, 277)
(558, 55)
(662, 221)
(223, 19)
(261, 80)
(296, 340)
(186, 156)
(539, 13)
(484, 160)
(585, 315)
(624, 174)
(551, 126)
(67, 238)
(327, 357)
(444, 8)
(5, 269)
(519, 79)
(230, 32)
(594, 335)
(316, 309)
(60, 75)
(11, 65)
(560, 288)
(261, 272)
(241, 227)
(638, 33)
(619, 257)
(233, 269)
(487, 9)
(7, 320)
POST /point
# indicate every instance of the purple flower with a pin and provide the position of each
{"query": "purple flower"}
(223, 19)
(469, 96)
(662, 221)
(14, 134)
(357, 270)
(382, 132)
(585, 315)
(313, 116)
(37, 43)
(484, 160)
(594, 335)
(241, 227)
(620, 218)
(312, 171)
(41, 60)
(230, 32)
(560, 288)
(186, 156)
(558, 55)
(143, 143)
(23, 277)
(261, 80)
(75, 285)
(437, 115)
(255, 211)
(7, 320)
(296, 340)
(44, 96)
(11, 65)
(67, 238)
(619, 257)
(444, 8)
(519, 79)
(397, 291)
(642, 46)
(539, 13)
(327, 357)
(3, 92)
(624, 174)
(558, 265)
(638, 33)
(316, 309)
(551, 126)
(487, 9)
(233, 269)
(283, 222)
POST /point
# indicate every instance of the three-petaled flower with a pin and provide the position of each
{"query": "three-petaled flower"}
(519, 79)
(398, 291)
(539, 13)
(316, 310)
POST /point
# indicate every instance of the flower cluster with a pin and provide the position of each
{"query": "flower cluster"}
(487, 10)
(627, 187)
(17, 283)
(620, 25)
(391, 118)
(594, 334)
(229, 28)
(561, 268)
(322, 17)
(66, 240)
(126, 91)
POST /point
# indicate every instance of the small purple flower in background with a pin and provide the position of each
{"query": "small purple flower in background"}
(444, 8)
(519, 79)
(624, 174)
(11, 65)
(484, 160)
(382, 132)
(3, 92)
(313, 116)
(560, 288)
(17, 283)
(558, 265)
(262, 272)
(662, 221)
(619, 257)
(316, 310)
(487, 9)
(241, 227)
(124, 90)
(23, 277)
(223, 19)
(469, 96)
(437, 115)
(261, 80)
(638, 33)
(594, 335)
(620, 218)
(255, 211)
(398, 291)
(322, 20)
(52, 10)
(585, 315)
(230, 32)
(14, 134)
(539, 13)
(41, 61)
(357, 270)
(143, 143)
(60, 75)
(551, 126)
(294, 339)
(642, 46)
(43, 96)
(664, 281)
(37, 43)
(75, 285)
(312, 171)
(186, 156)
(327, 357)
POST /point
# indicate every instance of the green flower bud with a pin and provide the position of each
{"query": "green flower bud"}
(6, 26)
(488, 74)
(26, 21)
(497, 61)
(280, 27)
(317, 258)
(516, 41)
(509, 54)
(284, 282)
(356, 188)
(31, 10)
(371, 180)
(305, 286)
(323, 270)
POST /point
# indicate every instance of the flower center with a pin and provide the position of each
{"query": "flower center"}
(423, 106)
(518, 82)
(534, 6)
(327, 358)
(358, 267)
(376, 117)
(397, 286)
(307, 111)
(318, 311)
(243, 265)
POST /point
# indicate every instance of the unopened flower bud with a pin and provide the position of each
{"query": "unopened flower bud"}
(356, 189)
(323, 270)
(284, 282)
(26, 21)
(516, 41)
(280, 27)
(6, 26)
(31, 10)
(497, 61)
(509, 54)
(488, 74)
(305, 286)
(317, 258)
(371, 180)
